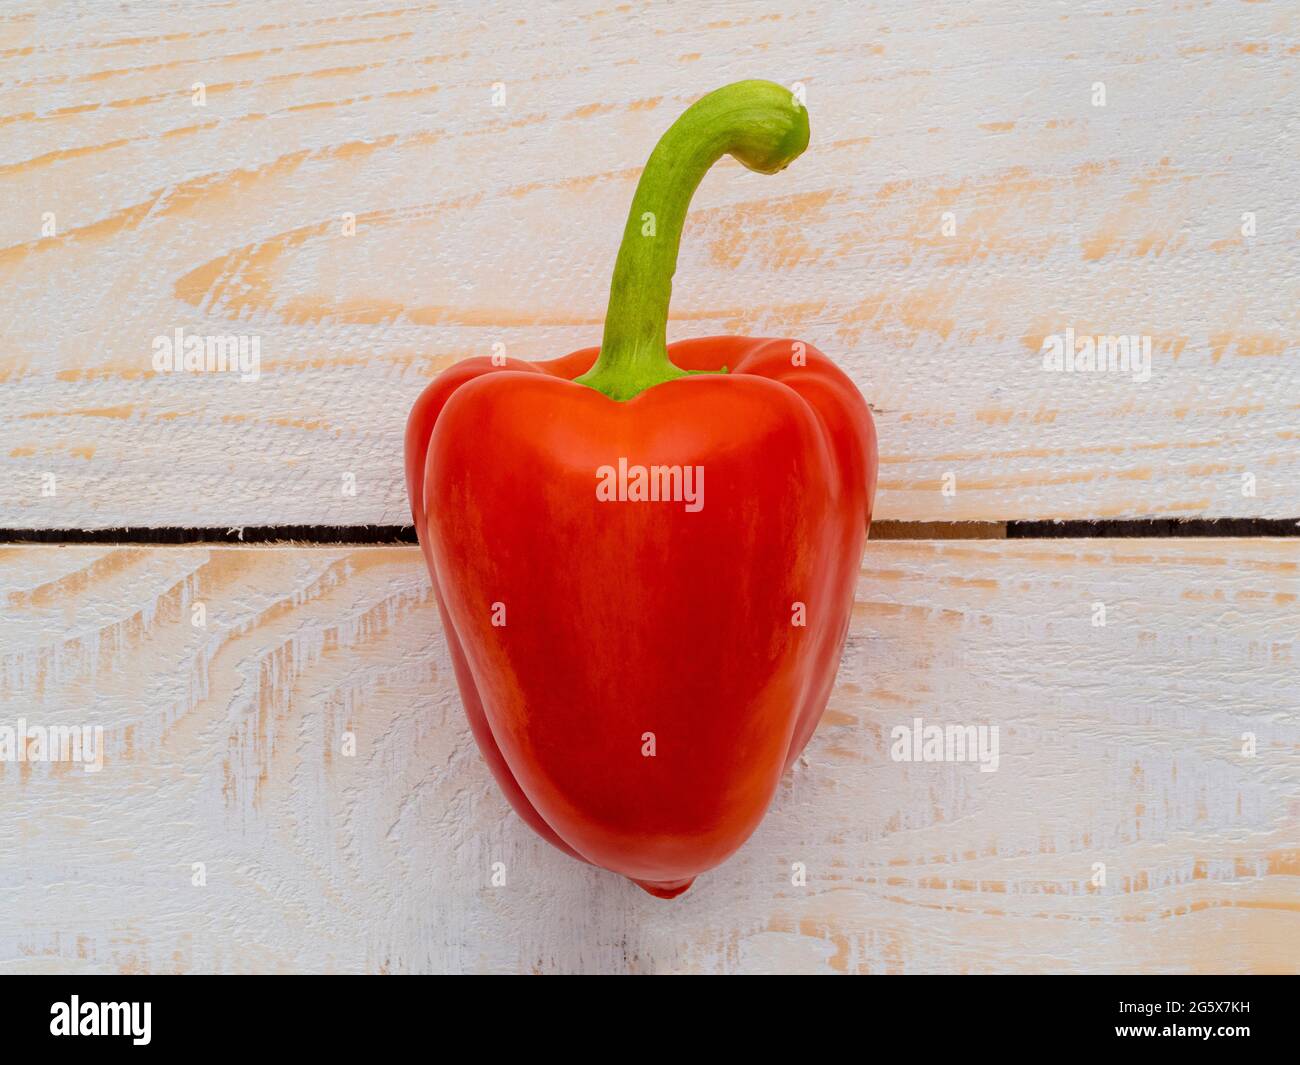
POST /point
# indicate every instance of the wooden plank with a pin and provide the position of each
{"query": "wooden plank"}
(1119, 745)
(478, 225)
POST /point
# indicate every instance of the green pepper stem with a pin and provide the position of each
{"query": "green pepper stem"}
(762, 125)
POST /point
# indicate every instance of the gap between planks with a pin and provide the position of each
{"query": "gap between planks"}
(360, 535)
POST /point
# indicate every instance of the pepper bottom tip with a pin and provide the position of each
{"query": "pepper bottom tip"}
(664, 889)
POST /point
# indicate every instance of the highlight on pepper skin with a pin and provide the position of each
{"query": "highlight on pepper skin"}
(641, 660)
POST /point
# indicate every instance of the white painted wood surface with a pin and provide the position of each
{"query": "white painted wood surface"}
(478, 224)
(1118, 745)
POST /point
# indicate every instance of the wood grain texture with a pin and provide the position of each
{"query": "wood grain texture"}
(1120, 745)
(478, 224)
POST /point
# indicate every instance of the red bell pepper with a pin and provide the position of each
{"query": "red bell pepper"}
(640, 660)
